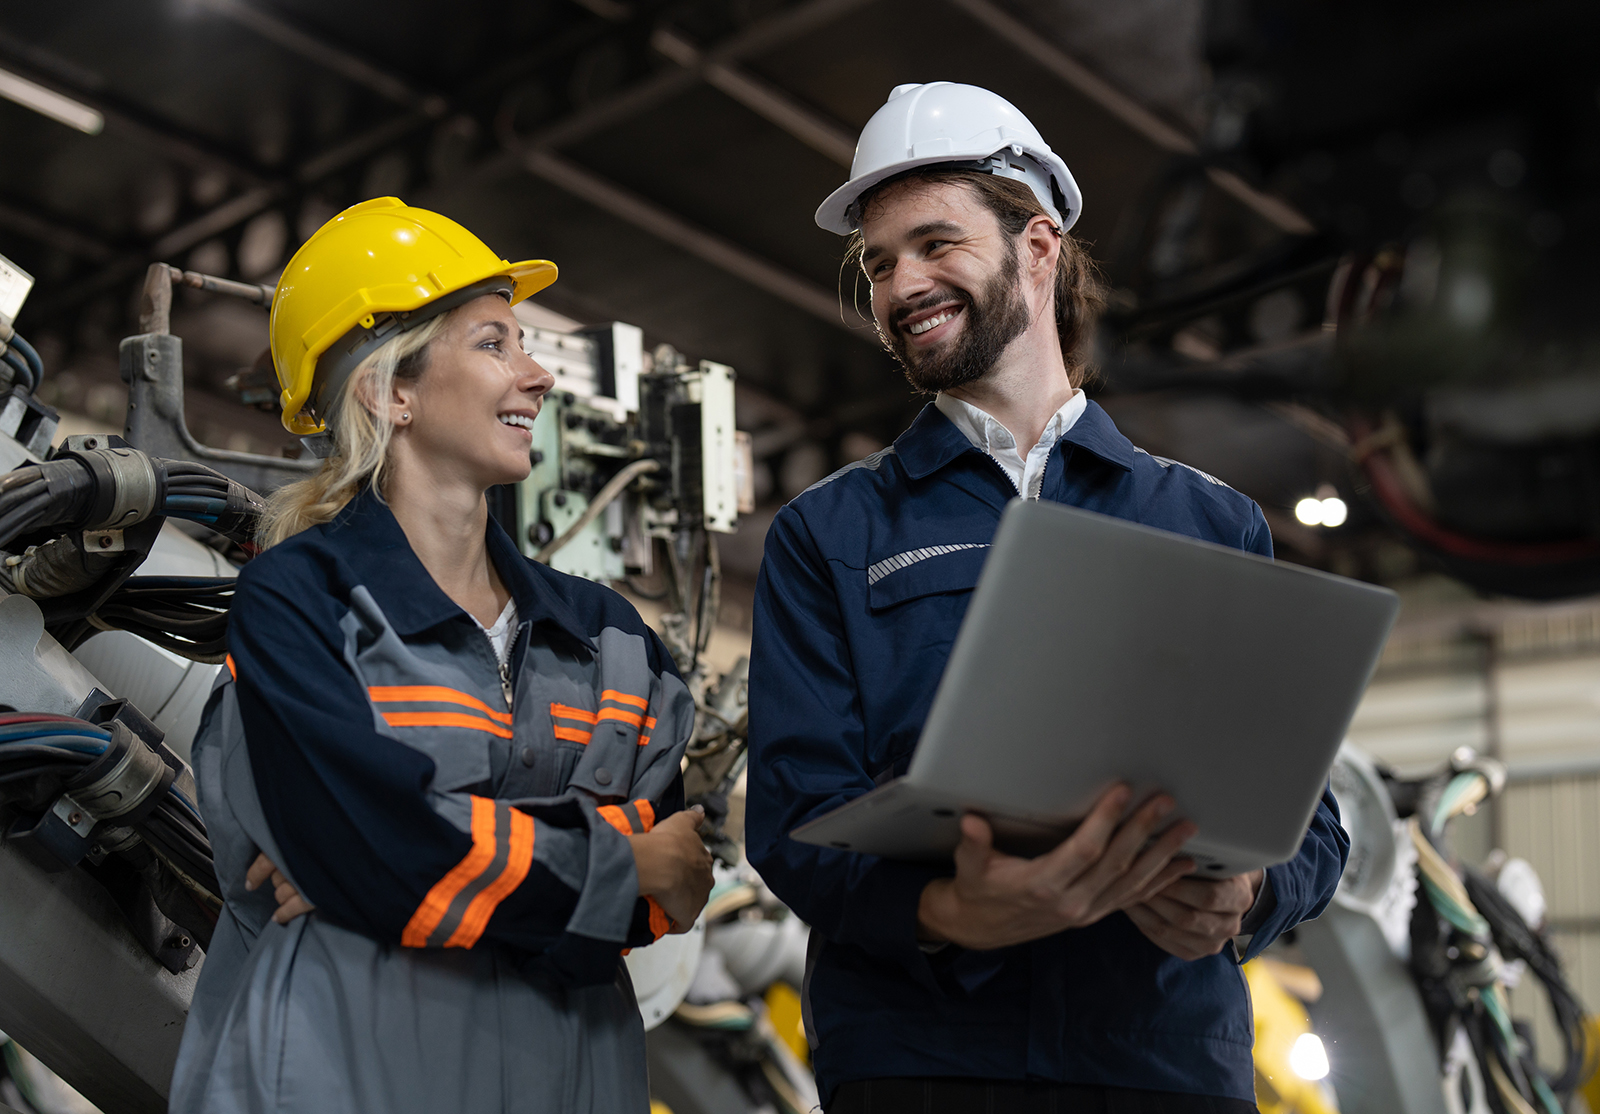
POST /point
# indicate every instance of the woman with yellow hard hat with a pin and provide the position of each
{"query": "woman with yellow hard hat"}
(458, 767)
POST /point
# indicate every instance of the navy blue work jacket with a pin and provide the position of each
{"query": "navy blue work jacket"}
(865, 582)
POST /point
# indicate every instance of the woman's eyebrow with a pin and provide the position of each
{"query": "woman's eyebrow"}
(497, 326)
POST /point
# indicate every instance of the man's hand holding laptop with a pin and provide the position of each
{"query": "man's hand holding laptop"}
(996, 900)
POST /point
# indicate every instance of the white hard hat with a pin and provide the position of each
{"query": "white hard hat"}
(943, 122)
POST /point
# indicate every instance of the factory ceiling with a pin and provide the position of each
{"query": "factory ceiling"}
(668, 155)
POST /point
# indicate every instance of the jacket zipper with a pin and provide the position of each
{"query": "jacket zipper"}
(505, 681)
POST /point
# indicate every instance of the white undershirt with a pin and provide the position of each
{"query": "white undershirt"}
(500, 634)
(986, 433)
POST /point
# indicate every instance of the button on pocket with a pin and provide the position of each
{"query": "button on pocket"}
(602, 776)
(527, 756)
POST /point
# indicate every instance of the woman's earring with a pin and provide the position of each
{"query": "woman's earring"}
(405, 417)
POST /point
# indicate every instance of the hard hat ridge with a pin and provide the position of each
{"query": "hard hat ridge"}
(948, 124)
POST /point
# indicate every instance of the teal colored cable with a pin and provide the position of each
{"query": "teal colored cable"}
(1458, 787)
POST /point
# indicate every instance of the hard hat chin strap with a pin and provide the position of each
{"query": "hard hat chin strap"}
(347, 353)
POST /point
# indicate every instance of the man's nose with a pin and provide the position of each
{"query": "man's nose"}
(912, 279)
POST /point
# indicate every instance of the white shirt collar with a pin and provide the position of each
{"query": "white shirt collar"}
(985, 432)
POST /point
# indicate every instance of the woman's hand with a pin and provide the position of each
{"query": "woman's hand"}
(674, 867)
(290, 903)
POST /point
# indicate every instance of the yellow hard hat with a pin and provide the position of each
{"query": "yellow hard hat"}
(369, 274)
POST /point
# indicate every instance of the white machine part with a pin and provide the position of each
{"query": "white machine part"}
(661, 973)
(171, 690)
(1380, 878)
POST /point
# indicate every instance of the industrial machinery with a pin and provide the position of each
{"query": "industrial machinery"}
(1419, 949)
(117, 558)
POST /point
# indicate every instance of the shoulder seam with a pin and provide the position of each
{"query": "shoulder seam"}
(873, 461)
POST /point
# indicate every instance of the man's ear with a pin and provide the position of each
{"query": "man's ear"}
(1041, 248)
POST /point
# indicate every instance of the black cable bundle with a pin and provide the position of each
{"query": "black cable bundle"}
(185, 614)
(1517, 941)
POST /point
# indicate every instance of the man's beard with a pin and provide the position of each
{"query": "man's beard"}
(993, 320)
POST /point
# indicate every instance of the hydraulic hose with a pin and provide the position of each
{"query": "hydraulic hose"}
(20, 370)
(30, 355)
(603, 499)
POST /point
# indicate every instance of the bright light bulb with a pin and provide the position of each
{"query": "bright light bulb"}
(1309, 511)
(1334, 512)
(1308, 1059)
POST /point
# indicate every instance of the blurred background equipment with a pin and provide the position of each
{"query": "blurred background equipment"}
(1348, 250)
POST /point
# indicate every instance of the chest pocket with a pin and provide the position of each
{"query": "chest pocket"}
(451, 727)
(611, 737)
(916, 600)
(932, 570)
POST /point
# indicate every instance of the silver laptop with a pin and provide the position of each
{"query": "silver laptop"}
(1096, 650)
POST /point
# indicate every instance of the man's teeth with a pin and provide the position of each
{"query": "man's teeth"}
(924, 326)
(517, 419)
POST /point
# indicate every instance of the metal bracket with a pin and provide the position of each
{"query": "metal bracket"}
(152, 366)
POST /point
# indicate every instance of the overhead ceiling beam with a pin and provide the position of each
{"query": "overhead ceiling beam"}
(665, 225)
(334, 59)
(761, 97)
(623, 105)
(1136, 116)
(28, 222)
(166, 136)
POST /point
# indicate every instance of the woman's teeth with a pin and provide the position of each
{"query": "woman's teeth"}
(517, 420)
(923, 326)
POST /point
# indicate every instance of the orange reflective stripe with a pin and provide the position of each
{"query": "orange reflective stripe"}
(644, 740)
(624, 698)
(647, 813)
(649, 723)
(573, 734)
(445, 719)
(483, 906)
(618, 819)
(444, 891)
(632, 718)
(660, 923)
(564, 711)
(432, 694)
(232, 669)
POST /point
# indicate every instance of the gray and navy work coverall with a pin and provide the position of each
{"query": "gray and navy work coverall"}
(460, 827)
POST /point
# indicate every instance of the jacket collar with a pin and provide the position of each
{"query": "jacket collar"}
(933, 441)
(373, 545)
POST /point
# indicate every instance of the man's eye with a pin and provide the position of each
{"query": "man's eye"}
(935, 245)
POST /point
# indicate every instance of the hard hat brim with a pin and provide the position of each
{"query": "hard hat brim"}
(833, 215)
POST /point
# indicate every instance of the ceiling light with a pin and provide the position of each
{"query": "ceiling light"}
(49, 103)
(1308, 1058)
(1334, 512)
(1309, 511)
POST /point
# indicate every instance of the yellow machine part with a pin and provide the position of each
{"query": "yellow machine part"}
(659, 1107)
(1280, 1020)
(1591, 1089)
(783, 1011)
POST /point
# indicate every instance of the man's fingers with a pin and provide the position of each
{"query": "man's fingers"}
(1085, 847)
(1169, 938)
(1172, 872)
(1110, 874)
(1197, 922)
(260, 870)
(1224, 895)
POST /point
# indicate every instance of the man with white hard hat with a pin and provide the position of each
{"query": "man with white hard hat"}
(1098, 977)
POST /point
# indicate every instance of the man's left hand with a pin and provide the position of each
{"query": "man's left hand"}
(1195, 917)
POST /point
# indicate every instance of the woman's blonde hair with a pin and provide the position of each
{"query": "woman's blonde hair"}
(360, 438)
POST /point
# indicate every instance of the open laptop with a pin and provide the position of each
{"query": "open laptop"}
(1096, 650)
